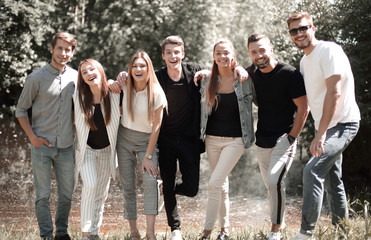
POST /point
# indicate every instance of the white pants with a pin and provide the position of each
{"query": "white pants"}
(223, 154)
(96, 180)
(274, 163)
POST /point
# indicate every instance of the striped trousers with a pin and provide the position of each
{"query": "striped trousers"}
(96, 180)
(274, 164)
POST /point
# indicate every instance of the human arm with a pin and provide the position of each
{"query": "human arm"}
(35, 140)
(116, 86)
(200, 75)
(241, 74)
(329, 106)
(147, 164)
(301, 115)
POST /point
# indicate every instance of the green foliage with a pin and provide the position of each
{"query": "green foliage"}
(112, 30)
(21, 31)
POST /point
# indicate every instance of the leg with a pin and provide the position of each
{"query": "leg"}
(88, 176)
(64, 166)
(150, 192)
(150, 221)
(127, 164)
(101, 193)
(223, 153)
(336, 193)
(168, 169)
(317, 170)
(189, 166)
(282, 156)
(41, 158)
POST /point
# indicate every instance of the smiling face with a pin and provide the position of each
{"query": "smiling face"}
(139, 70)
(261, 53)
(303, 39)
(223, 55)
(61, 54)
(91, 75)
(173, 55)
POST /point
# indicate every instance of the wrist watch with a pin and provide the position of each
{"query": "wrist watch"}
(291, 139)
(149, 156)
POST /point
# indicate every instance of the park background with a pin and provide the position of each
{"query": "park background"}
(112, 30)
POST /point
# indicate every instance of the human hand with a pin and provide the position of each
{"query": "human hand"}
(201, 75)
(38, 142)
(114, 86)
(241, 74)
(316, 147)
(122, 77)
(147, 165)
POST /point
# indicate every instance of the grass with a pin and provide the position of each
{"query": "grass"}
(358, 227)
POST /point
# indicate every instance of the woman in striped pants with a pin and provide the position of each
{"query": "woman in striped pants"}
(97, 117)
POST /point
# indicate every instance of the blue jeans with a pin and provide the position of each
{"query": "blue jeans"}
(323, 173)
(62, 160)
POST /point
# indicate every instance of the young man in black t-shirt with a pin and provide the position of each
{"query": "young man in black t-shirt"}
(179, 140)
(282, 111)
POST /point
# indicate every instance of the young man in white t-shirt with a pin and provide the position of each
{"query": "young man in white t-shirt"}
(329, 84)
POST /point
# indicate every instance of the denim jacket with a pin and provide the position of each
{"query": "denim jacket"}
(245, 95)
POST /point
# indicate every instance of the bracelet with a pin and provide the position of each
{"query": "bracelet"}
(291, 139)
(149, 156)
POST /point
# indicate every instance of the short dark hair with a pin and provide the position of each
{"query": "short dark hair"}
(65, 36)
(257, 37)
(172, 40)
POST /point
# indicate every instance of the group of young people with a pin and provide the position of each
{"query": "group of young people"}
(169, 117)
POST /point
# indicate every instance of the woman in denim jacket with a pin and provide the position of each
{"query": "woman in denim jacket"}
(226, 127)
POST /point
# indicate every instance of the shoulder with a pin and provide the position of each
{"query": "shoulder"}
(191, 66)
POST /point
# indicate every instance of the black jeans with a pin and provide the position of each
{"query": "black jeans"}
(186, 151)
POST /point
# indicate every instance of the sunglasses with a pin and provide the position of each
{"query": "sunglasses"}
(295, 31)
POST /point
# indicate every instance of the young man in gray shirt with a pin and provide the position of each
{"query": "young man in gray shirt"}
(48, 91)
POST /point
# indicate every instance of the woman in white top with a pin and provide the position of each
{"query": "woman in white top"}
(143, 103)
(97, 117)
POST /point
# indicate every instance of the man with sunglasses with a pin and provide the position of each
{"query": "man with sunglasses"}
(329, 84)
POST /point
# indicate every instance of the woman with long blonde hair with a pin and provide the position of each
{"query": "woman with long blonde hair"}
(143, 103)
(226, 120)
(97, 118)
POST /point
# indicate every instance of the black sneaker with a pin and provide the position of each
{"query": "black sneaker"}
(64, 237)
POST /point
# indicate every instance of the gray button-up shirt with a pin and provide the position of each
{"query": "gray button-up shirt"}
(49, 93)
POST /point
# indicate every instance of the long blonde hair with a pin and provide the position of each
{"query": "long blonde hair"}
(152, 80)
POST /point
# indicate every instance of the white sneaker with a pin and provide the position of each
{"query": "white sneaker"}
(300, 236)
(160, 194)
(274, 236)
(176, 235)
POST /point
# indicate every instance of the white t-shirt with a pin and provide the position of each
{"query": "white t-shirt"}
(140, 109)
(327, 59)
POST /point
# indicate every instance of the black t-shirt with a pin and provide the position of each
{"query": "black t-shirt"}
(183, 97)
(180, 107)
(98, 139)
(276, 109)
(224, 120)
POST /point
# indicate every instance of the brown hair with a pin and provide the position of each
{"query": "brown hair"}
(212, 88)
(172, 40)
(152, 80)
(257, 37)
(86, 97)
(65, 37)
(299, 16)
